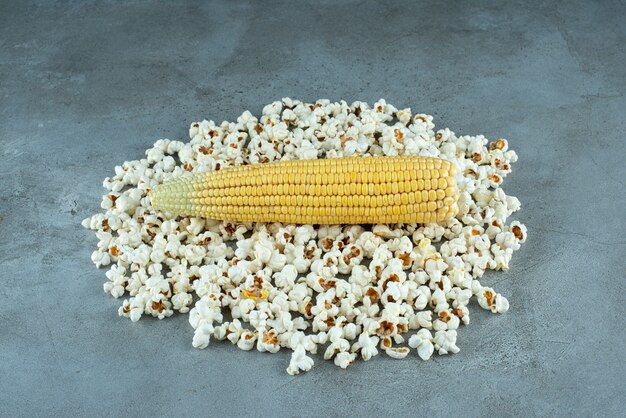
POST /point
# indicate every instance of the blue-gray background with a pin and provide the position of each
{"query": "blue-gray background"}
(86, 85)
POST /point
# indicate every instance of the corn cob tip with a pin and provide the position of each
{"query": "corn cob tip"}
(154, 196)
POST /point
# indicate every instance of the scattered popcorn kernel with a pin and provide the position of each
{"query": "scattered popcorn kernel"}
(299, 361)
(422, 341)
(344, 359)
(397, 352)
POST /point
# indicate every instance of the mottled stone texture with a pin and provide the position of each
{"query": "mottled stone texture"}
(85, 85)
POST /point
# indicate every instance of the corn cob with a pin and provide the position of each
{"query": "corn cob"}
(353, 190)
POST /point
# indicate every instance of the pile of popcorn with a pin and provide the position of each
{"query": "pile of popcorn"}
(346, 291)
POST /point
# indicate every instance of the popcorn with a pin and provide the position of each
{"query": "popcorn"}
(344, 359)
(445, 342)
(235, 330)
(446, 321)
(369, 242)
(422, 341)
(299, 361)
(327, 266)
(397, 353)
(181, 302)
(501, 256)
(286, 278)
(247, 340)
(202, 336)
(519, 231)
(268, 342)
(202, 316)
(366, 345)
(490, 300)
(355, 290)
(100, 258)
(338, 346)
(117, 281)
(423, 319)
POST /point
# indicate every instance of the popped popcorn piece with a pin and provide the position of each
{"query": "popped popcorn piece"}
(445, 342)
(495, 302)
(299, 361)
(366, 345)
(247, 340)
(423, 342)
(519, 231)
(397, 353)
(344, 359)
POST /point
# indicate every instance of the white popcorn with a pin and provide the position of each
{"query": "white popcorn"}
(369, 242)
(501, 257)
(495, 302)
(306, 151)
(264, 251)
(268, 341)
(519, 231)
(298, 286)
(220, 331)
(100, 258)
(202, 336)
(137, 306)
(117, 281)
(202, 317)
(422, 319)
(446, 321)
(366, 345)
(247, 340)
(299, 361)
(286, 278)
(258, 319)
(461, 296)
(463, 313)
(397, 353)
(181, 302)
(445, 342)
(234, 331)
(350, 331)
(193, 254)
(422, 341)
(141, 255)
(338, 346)
(344, 359)
(327, 266)
(127, 202)
(196, 225)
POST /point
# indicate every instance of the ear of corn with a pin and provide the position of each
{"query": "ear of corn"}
(354, 190)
